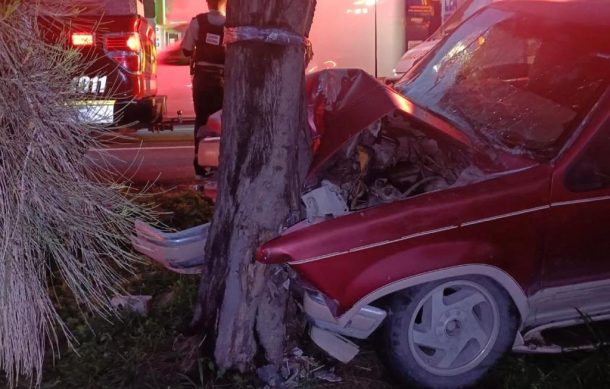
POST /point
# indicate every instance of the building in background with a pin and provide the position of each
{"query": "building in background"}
(424, 17)
(373, 34)
(366, 34)
(172, 18)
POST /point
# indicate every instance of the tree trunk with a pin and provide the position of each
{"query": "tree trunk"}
(264, 155)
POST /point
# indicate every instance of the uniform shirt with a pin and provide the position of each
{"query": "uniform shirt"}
(192, 34)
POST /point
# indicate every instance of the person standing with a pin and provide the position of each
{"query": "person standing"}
(203, 43)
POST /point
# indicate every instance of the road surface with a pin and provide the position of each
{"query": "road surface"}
(175, 83)
(165, 158)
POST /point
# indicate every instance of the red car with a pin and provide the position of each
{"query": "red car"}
(465, 212)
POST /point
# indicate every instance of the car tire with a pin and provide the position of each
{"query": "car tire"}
(448, 334)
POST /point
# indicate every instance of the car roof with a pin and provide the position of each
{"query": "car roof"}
(594, 13)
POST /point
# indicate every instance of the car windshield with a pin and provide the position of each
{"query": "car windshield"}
(512, 80)
(463, 12)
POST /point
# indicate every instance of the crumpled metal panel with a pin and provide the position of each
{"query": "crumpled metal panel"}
(341, 103)
(344, 102)
(324, 201)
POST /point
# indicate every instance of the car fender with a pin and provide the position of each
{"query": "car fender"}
(495, 273)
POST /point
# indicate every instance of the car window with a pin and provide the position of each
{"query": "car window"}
(464, 12)
(514, 81)
(591, 171)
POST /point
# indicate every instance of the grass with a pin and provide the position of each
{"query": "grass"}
(131, 351)
(570, 371)
(150, 352)
(580, 370)
(181, 209)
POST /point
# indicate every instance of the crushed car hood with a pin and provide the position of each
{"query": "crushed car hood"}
(344, 102)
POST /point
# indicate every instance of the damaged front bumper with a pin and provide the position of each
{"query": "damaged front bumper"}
(183, 252)
(329, 332)
(180, 252)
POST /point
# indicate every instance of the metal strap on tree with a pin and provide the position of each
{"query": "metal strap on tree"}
(275, 36)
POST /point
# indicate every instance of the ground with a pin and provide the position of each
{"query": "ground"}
(151, 352)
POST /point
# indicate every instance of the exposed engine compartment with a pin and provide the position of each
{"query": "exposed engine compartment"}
(391, 160)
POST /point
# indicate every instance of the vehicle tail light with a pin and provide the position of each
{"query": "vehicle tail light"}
(123, 42)
(133, 43)
(82, 39)
(125, 50)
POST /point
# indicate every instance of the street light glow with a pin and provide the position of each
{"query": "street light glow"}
(365, 3)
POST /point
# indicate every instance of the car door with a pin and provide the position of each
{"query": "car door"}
(578, 245)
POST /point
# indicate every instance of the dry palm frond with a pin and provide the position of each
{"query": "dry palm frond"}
(54, 220)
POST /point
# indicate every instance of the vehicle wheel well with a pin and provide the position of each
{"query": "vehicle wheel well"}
(499, 276)
(384, 302)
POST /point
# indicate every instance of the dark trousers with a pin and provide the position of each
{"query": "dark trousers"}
(207, 99)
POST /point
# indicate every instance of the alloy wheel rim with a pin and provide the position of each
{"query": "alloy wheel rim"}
(453, 328)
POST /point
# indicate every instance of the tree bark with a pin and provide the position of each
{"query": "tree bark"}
(264, 155)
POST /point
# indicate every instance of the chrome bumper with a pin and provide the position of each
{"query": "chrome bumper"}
(181, 252)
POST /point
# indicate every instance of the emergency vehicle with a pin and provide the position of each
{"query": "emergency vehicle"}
(118, 82)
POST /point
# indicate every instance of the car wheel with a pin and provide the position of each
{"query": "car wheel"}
(448, 334)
